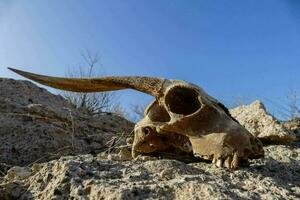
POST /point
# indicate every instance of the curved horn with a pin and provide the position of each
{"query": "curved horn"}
(149, 85)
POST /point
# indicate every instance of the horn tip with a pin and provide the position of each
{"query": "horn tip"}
(20, 72)
(13, 69)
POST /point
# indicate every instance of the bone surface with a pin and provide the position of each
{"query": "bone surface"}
(186, 109)
(182, 117)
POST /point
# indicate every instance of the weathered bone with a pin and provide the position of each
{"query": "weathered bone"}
(187, 110)
(147, 85)
(182, 116)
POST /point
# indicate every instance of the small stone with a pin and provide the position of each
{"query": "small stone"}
(129, 140)
(125, 154)
(18, 173)
(102, 156)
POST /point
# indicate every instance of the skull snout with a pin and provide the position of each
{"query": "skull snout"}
(147, 140)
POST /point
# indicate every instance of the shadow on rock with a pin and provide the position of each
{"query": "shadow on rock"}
(283, 174)
(14, 191)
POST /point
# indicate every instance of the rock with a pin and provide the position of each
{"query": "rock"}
(18, 173)
(37, 126)
(294, 126)
(88, 177)
(260, 123)
(125, 153)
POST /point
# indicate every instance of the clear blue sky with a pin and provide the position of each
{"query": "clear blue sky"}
(233, 49)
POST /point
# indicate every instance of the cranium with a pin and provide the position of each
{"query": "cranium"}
(182, 117)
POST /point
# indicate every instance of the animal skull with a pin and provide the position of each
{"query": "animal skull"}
(182, 117)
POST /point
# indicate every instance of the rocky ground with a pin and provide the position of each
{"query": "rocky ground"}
(92, 177)
(37, 127)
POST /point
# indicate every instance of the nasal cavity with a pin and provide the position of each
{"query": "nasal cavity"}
(182, 100)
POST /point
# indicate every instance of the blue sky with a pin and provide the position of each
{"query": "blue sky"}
(236, 50)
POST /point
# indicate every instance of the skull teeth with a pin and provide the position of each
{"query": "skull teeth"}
(235, 161)
(227, 162)
(219, 162)
(230, 162)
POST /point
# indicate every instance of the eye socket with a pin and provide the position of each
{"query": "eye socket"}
(182, 100)
(157, 113)
(146, 130)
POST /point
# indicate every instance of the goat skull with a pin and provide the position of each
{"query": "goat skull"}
(182, 117)
(185, 110)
